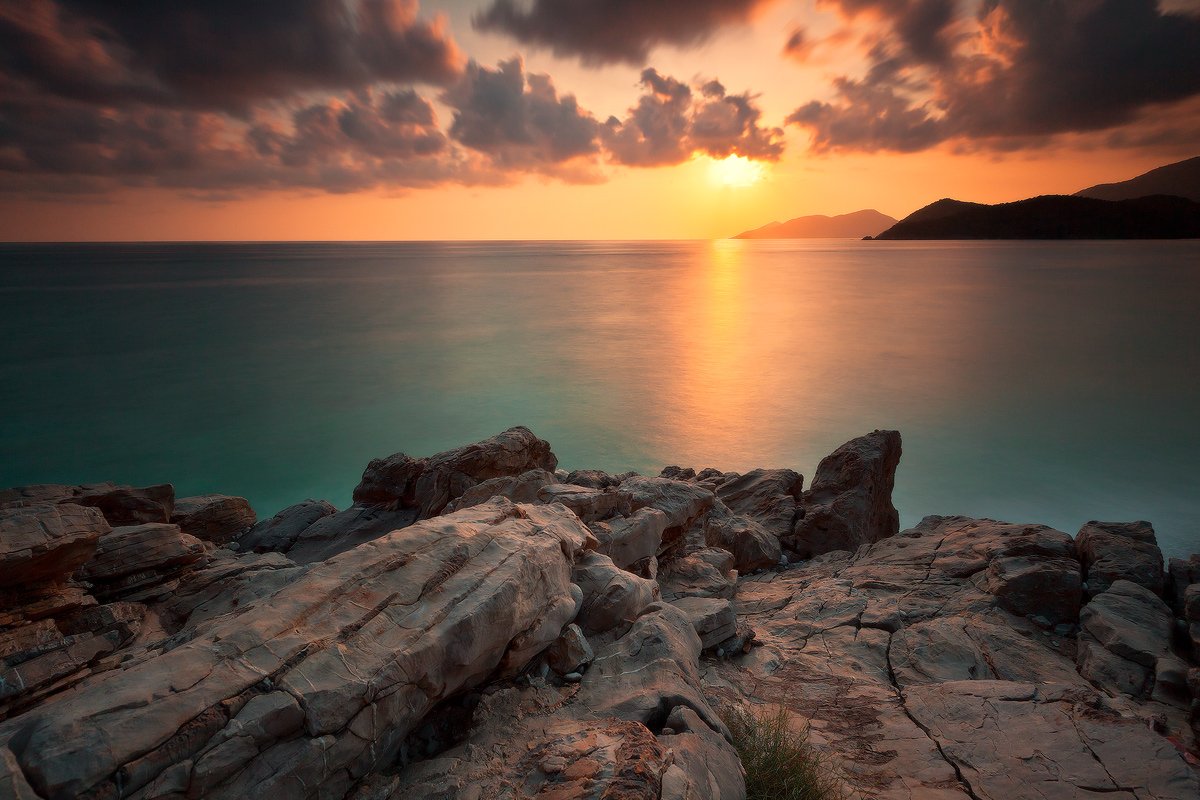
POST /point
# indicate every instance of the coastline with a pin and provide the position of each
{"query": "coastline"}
(480, 619)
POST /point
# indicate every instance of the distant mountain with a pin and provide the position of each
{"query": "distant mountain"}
(1053, 217)
(1181, 179)
(849, 226)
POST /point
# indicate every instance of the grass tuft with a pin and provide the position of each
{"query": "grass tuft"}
(780, 764)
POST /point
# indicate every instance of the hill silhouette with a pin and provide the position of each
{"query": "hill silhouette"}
(1053, 217)
(1181, 179)
(856, 225)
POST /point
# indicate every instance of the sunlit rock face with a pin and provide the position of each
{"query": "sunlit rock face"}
(478, 624)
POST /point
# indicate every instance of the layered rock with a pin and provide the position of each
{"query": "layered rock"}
(850, 500)
(1112, 551)
(217, 518)
(429, 484)
(120, 505)
(280, 532)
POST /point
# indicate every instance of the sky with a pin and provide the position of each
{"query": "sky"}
(569, 119)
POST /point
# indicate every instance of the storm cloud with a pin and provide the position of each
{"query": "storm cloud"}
(611, 31)
(671, 122)
(1016, 71)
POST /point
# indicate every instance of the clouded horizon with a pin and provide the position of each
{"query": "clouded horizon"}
(536, 118)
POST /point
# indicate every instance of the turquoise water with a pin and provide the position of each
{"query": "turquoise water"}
(1049, 382)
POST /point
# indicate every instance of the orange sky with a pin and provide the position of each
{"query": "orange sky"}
(681, 200)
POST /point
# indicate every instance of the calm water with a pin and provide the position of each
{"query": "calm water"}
(1047, 382)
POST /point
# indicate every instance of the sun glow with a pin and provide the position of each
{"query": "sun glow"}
(736, 171)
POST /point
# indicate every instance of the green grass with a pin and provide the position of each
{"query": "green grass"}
(780, 764)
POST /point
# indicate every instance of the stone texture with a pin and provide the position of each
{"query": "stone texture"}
(628, 540)
(281, 531)
(345, 530)
(682, 502)
(366, 643)
(1111, 551)
(1181, 573)
(217, 518)
(129, 505)
(753, 546)
(1037, 585)
(521, 488)
(588, 504)
(570, 651)
(593, 479)
(150, 550)
(921, 683)
(850, 500)
(429, 484)
(41, 542)
(770, 497)
(704, 573)
(612, 597)
(713, 619)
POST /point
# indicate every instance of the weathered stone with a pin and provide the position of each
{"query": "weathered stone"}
(345, 530)
(850, 500)
(366, 643)
(677, 473)
(42, 542)
(153, 548)
(570, 651)
(129, 505)
(683, 503)
(1181, 573)
(1111, 551)
(429, 484)
(1129, 621)
(704, 573)
(628, 540)
(281, 531)
(593, 479)
(753, 546)
(521, 488)
(770, 497)
(215, 518)
(612, 597)
(713, 619)
(588, 504)
(1050, 588)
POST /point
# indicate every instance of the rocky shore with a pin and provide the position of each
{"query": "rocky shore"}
(480, 624)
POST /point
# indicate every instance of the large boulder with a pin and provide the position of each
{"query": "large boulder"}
(1125, 630)
(1181, 573)
(753, 546)
(121, 505)
(279, 533)
(139, 561)
(521, 488)
(850, 501)
(429, 484)
(590, 505)
(628, 540)
(682, 502)
(771, 497)
(356, 652)
(1036, 585)
(43, 542)
(217, 518)
(612, 597)
(345, 530)
(1112, 551)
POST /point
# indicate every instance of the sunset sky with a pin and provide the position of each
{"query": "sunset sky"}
(553, 119)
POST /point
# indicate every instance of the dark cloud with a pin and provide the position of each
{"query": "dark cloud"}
(1019, 71)
(518, 119)
(217, 53)
(669, 124)
(612, 31)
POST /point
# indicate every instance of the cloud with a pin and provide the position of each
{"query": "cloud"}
(518, 119)
(611, 31)
(219, 54)
(1017, 72)
(670, 123)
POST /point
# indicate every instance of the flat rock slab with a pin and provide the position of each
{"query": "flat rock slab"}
(44, 542)
(366, 643)
(922, 683)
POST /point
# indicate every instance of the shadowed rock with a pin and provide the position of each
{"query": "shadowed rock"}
(281, 531)
(850, 500)
(1112, 551)
(429, 484)
(217, 518)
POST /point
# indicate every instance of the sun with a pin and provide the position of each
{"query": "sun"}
(736, 171)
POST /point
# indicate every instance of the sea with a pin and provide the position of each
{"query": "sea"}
(1048, 382)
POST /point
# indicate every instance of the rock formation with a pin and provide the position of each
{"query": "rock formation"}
(480, 625)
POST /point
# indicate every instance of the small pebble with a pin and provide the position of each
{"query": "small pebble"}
(573, 677)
